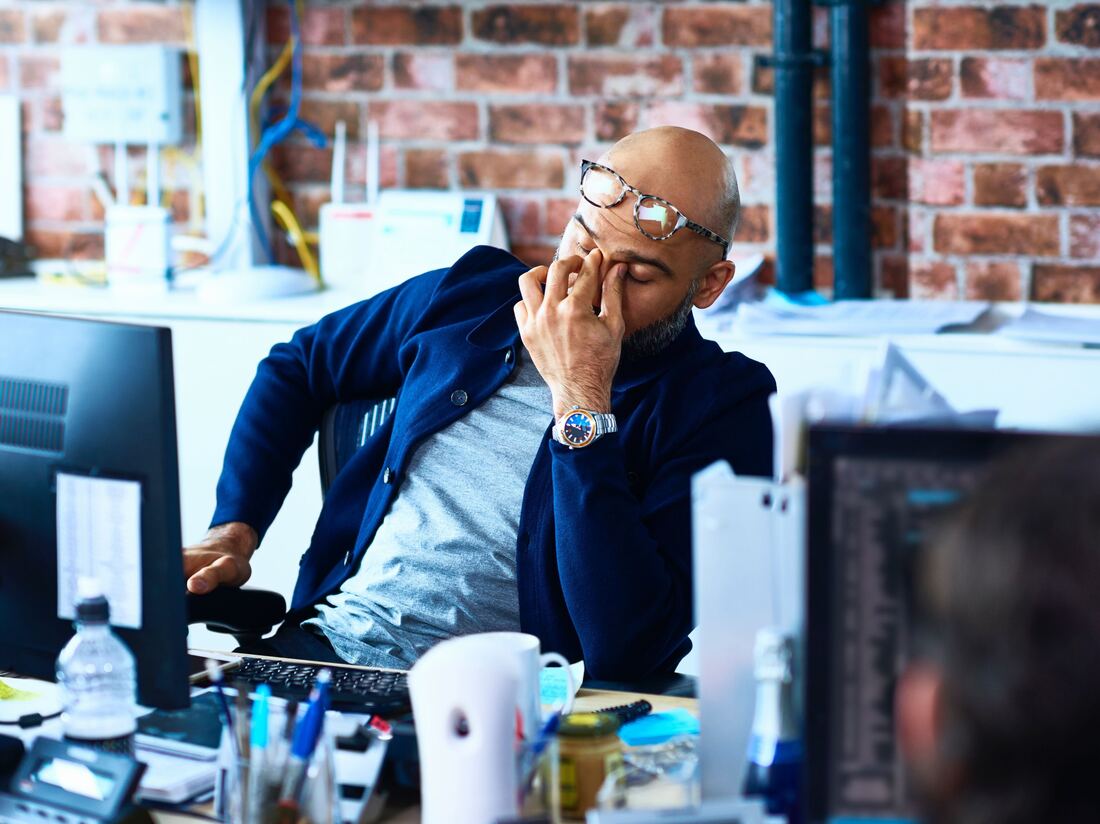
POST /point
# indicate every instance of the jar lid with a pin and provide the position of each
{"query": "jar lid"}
(588, 725)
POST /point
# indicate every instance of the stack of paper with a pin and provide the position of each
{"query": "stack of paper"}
(1051, 328)
(858, 317)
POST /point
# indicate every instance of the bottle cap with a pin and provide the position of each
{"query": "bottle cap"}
(588, 725)
(91, 604)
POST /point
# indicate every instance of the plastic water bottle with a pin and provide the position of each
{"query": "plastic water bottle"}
(774, 771)
(96, 673)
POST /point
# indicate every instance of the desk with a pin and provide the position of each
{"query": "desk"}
(587, 701)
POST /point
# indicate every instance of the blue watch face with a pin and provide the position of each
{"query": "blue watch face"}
(577, 429)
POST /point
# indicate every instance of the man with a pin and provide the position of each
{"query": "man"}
(475, 517)
(999, 720)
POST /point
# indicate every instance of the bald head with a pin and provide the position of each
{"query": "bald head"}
(684, 167)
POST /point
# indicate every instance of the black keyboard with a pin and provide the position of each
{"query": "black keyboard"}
(376, 691)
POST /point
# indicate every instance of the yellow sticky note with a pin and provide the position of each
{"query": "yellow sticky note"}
(10, 693)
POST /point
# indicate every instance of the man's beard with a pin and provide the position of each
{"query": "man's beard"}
(655, 338)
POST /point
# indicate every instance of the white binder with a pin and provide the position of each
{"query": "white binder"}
(749, 536)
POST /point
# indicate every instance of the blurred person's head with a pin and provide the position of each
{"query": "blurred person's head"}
(999, 715)
(664, 278)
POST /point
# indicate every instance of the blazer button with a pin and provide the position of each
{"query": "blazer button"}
(459, 397)
(387, 476)
(508, 356)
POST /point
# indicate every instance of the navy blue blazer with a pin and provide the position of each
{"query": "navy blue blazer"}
(603, 554)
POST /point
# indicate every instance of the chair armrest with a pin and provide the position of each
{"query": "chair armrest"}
(251, 612)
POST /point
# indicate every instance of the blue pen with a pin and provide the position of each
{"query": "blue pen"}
(256, 780)
(306, 737)
(215, 675)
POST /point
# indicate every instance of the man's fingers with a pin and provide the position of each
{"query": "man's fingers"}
(530, 287)
(224, 570)
(586, 286)
(611, 303)
(521, 314)
(557, 278)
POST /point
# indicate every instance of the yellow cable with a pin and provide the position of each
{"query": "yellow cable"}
(289, 222)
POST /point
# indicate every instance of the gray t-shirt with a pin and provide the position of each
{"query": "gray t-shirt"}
(443, 562)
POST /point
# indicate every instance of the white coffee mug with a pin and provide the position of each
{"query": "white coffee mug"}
(524, 649)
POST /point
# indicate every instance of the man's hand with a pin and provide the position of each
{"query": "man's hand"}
(575, 349)
(221, 558)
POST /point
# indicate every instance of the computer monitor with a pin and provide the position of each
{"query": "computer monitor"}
(88, 453)
(875, 496)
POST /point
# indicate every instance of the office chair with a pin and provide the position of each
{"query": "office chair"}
(250, 614)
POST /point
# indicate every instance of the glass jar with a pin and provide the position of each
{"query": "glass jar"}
(589, 748)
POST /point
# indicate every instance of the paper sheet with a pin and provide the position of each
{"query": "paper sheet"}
(99, 536)
(553, 684)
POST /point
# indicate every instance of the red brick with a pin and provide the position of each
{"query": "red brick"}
(920, 79)
(307, 201)
(559, 211)
(523, 218)
(889, 177)
(343, 72)
(536, 123)
(933, 280)
(714, 25)
(57, 203)
(823, 224)
(733, 125)
(912, 131)
(426, 169)
(324, 113)
(39, 72)
(763, 80)
(822, 125)
(425, 120)
(621, 25)
(823, 275)
(916, 230)
(1000, 184)
(71, 245)
(998, 130)
(492, 169)
(534, 254)
(965, 28)
(882, 127)
(43, 115)
(1002, 79)
(888, 25)
(555, 25)
(884, 227)
(1084, 236)
(424, 70)
(1079, 25)
(1064, 79)
(396, 25)
(72, 25)
(49, 157)
(1086, 134)
(615, 120)
(757, 176)
(893, 276)
(302, 163)
(1066, 284)
(993, 280)
(626, 76)
(506, 73)
(1077, 185)
(320, 26)
(996, 234)
(718, 73)
(13, 28)
(755, 225)
(388, 164)
(142, 23)
(936, 182)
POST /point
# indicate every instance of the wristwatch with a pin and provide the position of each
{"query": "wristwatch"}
(582, 427)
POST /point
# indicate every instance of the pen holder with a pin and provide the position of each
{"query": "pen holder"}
(539, 782)
(243, 796)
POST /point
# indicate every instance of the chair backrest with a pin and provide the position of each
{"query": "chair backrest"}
(344, 428)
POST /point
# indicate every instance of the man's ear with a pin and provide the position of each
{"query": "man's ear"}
(918, 712)
(712, 282)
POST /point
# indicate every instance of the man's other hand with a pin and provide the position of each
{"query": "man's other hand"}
(221, 558)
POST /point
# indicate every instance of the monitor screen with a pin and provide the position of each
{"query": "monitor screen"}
(875, 497)
(89, 487)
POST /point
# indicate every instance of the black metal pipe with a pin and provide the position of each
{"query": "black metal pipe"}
(794, 211)
(851, 89)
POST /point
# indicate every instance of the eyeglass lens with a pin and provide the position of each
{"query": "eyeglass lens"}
(602, 188)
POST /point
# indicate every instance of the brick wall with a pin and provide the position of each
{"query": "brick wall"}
(986, 119)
